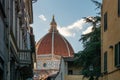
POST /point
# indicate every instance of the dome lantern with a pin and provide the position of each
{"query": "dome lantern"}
(53, 24)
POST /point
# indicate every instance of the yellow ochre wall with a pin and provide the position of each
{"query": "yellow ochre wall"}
(110, 37)
(75, 77)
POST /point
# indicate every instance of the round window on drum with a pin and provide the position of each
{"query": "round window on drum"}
(44, 64)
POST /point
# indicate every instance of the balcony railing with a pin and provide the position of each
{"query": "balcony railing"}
(25, 57)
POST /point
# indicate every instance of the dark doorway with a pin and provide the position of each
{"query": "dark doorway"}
(1, 74)
(1, 68)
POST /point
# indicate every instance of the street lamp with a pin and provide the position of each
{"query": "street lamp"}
(91, 72)
(91, 67)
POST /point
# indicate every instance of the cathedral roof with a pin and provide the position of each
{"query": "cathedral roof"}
(54, 43)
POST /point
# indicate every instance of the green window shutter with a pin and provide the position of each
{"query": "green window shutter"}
(105, 62)
(119, 54)
(116, 54)
(118, 7)
(105, 22)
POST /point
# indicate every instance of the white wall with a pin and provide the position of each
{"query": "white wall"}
(62, 71)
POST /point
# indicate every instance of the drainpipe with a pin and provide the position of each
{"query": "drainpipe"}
(8, 72)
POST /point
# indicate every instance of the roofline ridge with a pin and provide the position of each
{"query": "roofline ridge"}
(52, 49)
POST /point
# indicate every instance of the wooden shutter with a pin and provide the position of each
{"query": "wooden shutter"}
(116, 54)
(118, 7)
(105, 62)
(105, 21)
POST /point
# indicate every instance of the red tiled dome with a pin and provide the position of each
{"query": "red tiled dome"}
(54, 43)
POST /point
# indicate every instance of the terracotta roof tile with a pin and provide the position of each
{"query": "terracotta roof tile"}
(61, 45)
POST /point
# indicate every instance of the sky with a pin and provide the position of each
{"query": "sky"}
(68, 16)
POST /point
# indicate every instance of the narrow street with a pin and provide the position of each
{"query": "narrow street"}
(59, 40)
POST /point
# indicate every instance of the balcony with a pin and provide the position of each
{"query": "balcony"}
(26, 63)
(25, 57)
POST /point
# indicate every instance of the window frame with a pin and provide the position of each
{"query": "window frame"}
(70, 72)
(2, 2)
(105, 62)
(2, 7)
(117, 55)
(118, 8)
(105, 21)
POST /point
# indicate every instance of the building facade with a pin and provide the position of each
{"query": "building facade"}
(68, 71)
(17, 40)
(110, 35)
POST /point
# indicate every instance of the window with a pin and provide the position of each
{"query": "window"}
(11, 14)
(2, 2)
(2, 7)
(105, 62)
(105, 21)
(1, 68)
(70, 72)
(117, 55)
(118, 7)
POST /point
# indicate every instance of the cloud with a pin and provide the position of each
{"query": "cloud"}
(66, 32)
(88, 30)
(42, 17)
(70, 30)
